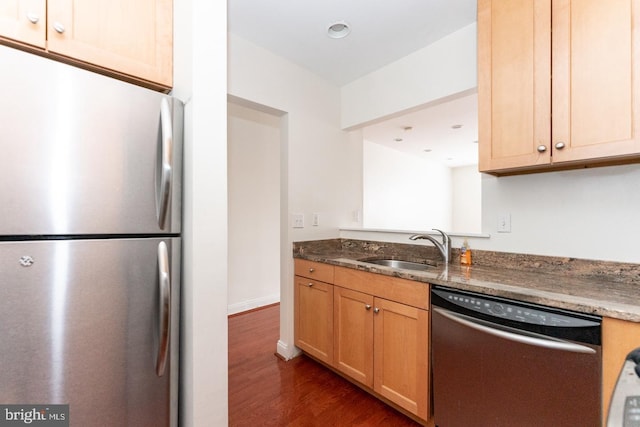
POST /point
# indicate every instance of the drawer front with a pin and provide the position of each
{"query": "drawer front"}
(314, 270)
(404, 291)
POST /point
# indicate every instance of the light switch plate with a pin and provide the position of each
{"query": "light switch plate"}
(298, 220)
(504, 223)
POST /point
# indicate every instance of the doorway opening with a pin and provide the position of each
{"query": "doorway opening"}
(256, 167)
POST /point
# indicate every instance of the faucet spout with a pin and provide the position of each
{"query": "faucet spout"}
(444, 248)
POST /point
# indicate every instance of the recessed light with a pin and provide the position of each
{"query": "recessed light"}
(338, 30)
(456, 126)
(398, 139)
(475, 142)
(427, 150)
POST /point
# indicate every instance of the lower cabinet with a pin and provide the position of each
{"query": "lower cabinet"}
(313, 330)
(353, 334)
(619, 337)
(371, 328)
(383, 345)
(400, 355)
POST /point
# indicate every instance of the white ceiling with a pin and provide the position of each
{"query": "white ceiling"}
(382, 31)
(432, 129)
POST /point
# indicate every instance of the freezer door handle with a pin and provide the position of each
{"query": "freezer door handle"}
(518, 337)
(165, 162)
(164, 312)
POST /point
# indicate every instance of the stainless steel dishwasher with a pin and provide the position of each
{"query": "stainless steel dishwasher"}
(504, 363)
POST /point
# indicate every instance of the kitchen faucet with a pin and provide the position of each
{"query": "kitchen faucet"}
(444, 247)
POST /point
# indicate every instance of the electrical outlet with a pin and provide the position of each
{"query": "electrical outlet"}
(298, 220)
(316, 220)
(504, 223)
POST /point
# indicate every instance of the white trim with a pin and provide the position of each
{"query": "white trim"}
(287, 352)
(252, 303)
(403, 232)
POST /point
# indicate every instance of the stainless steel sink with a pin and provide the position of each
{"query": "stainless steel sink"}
(395, 263)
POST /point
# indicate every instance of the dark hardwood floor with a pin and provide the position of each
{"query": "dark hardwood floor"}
(267, 391)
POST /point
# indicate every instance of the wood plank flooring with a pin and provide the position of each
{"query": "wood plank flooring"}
(267, 391)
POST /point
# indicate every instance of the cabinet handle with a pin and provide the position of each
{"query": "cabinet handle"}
(560, 145)
(542, 148)
(310, 284)
(367, 307)
(311, 270)
(376, 310)
(32, 17)
(58, 27)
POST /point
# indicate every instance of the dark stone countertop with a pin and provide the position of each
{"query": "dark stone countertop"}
(596, 287)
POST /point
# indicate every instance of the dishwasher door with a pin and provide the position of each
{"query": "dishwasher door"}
(487, 374)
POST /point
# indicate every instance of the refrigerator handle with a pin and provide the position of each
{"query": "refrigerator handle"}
(164, 312)
(165, 162)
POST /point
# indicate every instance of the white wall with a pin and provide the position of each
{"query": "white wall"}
(323, 164)
(404, 192)
(254, 208)
(437, 71)
(466, 199)
(586, 213)
(200, 80)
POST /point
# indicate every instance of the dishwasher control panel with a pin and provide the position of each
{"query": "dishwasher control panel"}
(499, 308)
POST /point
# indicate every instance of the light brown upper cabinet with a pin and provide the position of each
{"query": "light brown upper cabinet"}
(123, 37)
(24, 21)
(558, 84)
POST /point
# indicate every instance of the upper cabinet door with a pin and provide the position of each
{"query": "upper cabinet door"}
(596, 79)
(514, 84)
(131, 37)
(24, 21)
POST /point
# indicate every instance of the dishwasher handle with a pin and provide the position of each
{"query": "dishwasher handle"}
(524, 339)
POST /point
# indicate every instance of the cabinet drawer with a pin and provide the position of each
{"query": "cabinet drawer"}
(314, 270)
(404, 291)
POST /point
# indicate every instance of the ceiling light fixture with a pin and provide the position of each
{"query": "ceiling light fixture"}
(456, 126)
(398, 139)
(338, 30)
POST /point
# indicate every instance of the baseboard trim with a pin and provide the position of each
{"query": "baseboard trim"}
(252, 304)
(287, 352)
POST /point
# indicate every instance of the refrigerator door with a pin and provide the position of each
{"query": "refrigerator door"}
(85, 154)
(85, 322)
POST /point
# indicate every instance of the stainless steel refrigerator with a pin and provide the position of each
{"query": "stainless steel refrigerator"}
(90, 223)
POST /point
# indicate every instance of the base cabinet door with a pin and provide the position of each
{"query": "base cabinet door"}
(353, 334)
(314, 318)
(619, 337)
(401, 356)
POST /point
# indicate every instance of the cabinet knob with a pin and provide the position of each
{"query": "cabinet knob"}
(376, 310)
(58, 27)
(311, 270)
(33, 17)
(310, 284)
(542, 148)
(560, 145)
(367, 307)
